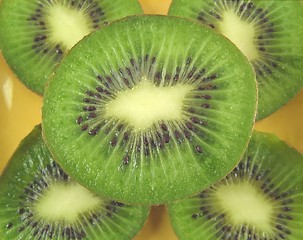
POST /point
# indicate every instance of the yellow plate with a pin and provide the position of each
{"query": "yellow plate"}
(21, 110)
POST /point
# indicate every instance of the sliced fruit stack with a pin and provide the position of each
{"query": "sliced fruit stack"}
(150, 110)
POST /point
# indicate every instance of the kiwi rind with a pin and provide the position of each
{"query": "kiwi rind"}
(280, 79)
(169, 175)
(21, 35)
(274, 170)
(30, 159)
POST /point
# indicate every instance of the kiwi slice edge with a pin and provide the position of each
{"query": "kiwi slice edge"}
(260, 199)
(39, 200)
(102, 136)
(33, 43)
(274, 29)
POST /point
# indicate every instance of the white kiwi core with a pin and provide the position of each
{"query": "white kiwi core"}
(245, 205)
(67, 26)
(241, 33)
(147, 104)
(66, 202)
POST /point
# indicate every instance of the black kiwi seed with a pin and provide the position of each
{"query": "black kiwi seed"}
(266, 32)
(198, 149)
(266, 156)
(9, 225)
(126, 160)
(31, 175)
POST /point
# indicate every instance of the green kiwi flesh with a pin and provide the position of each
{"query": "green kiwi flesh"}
(35, 35)
(269, 33)
(262, 198)
(40, 201)
(138, 111)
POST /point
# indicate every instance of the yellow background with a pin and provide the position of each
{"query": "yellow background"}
(21, 110)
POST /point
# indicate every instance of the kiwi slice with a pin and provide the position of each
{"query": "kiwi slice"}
(141, 113)
(40, 201)
(268, 32)
(262, 198)
(36, 34)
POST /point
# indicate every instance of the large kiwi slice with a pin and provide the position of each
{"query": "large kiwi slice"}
(262, 198)
(148, 109)
(268, 32)
(40, 201)
(36, 34)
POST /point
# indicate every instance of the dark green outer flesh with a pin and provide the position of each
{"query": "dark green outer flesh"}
(285, 166)
(29, 159)
(177, 170)
(275, 89)
(17, 38)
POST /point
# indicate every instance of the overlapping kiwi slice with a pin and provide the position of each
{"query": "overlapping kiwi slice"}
(262, 198)
(40, 201)
(268, 32)
(36, 34)
(148, 109)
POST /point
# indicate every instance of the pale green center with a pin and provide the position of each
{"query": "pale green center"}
(65, 202)
(146, 104)
(67, 26)
(241, 33)
(245, 205)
